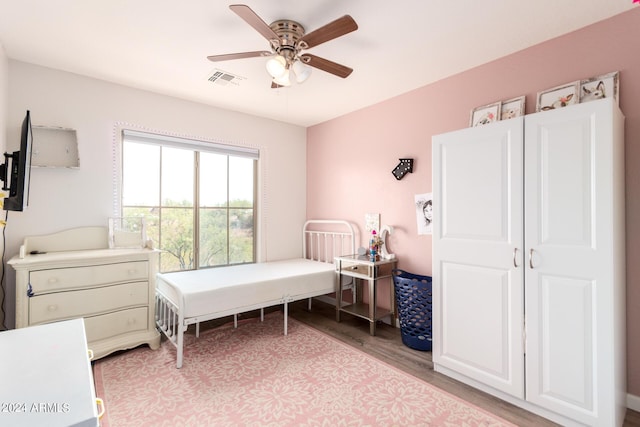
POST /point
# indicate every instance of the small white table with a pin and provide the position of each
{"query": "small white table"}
(46, 377)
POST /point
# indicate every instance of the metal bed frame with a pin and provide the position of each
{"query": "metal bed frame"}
(320, 242)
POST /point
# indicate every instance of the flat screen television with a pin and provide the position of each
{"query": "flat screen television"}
(16, 170)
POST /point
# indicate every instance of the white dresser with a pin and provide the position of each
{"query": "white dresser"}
(74, 274)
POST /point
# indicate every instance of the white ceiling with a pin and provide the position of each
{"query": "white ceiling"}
(162, 45)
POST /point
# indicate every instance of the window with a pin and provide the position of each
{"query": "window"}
(198, 198)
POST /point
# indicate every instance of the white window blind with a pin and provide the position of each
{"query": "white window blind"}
(178, 142)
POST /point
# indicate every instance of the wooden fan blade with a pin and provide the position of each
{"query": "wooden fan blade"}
(275, 85)
(332, 30)
(326, 65)
(229, 56)
(251, 18)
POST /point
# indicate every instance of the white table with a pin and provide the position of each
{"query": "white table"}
(46, 377)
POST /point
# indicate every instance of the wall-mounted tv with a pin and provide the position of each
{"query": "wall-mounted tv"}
(15, 173)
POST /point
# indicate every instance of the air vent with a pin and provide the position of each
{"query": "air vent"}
(223, 78)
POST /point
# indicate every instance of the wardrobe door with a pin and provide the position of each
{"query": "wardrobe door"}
(572, 238)
(478, 255)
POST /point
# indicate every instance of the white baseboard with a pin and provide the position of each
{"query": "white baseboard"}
(633, 402)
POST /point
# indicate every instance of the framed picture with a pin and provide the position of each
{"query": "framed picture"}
(486, 114)
(371, 222)
(559, 96)
(512, 108)
(605, 86)
(424, 212)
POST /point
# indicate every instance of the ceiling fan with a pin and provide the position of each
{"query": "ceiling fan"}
(288, 39)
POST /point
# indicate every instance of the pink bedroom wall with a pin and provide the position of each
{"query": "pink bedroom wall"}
(349, 159)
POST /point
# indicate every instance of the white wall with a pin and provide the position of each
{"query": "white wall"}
(3, 134)
(65, 198)
(4, 86)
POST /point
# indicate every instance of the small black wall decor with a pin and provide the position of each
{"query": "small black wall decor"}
(405, 166)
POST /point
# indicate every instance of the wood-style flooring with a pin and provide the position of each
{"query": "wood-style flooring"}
(387, 346)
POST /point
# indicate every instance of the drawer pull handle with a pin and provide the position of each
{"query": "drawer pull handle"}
(100, 404)
(90, 353)
(52, 307)
(132, 272)
(52, 280)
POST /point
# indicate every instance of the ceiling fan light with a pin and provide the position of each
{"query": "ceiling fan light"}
(302, 71)
(283, 80)
(276, 66)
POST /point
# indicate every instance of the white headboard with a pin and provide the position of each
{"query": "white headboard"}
(324, 239)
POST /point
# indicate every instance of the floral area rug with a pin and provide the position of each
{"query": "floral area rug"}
(256, 376)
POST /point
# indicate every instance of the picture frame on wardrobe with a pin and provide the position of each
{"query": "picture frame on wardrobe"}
(485, 114)
(559, 96)
(604, 86)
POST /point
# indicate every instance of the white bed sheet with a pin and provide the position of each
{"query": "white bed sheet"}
(224, 289)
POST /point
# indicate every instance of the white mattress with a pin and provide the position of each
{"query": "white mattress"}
(200, 293)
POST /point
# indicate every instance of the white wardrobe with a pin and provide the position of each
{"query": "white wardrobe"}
(529, 261)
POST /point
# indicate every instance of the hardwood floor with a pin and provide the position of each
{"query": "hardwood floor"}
(387, 346)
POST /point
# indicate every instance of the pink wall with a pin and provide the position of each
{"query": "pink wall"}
(349, 159)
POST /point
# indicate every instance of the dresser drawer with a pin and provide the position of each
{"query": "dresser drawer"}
(365, 271)
(53, 280)
(116, 323)
(355, 267)
(71, 304)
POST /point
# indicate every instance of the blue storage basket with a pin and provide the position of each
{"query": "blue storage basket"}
(413, 299)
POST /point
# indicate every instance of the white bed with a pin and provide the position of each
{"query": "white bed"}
(190, 297)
